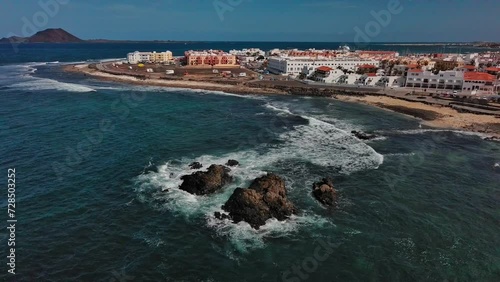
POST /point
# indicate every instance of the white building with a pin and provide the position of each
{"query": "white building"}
(251, 52)
(138, 57)
(452, 80)
(154, 57)
(294, 66)
(335, 76)
(480, 81)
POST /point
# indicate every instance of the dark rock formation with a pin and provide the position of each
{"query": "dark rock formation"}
(265, 198)
(195, 165)
(324, 192)
(203, 183)
(232, 163)
(363, 136)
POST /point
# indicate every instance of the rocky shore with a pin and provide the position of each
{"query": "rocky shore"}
(265, 198)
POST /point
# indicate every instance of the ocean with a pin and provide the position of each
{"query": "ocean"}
(416, 204)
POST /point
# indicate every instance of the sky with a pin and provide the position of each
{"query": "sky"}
(259, 20)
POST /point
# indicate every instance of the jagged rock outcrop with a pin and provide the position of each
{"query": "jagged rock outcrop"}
(195, 165)
(208, 182)
(232, 163)
(324, 192)
(265, 198)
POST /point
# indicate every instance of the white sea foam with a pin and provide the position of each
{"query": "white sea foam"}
(245, 238)
(22, 77)
(319, 142)
(283, 110)
(35, 84)
(324, 144)
(424, 131)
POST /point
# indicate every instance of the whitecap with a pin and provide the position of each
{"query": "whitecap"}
(35, 84)
(245, 238)
(317, 142)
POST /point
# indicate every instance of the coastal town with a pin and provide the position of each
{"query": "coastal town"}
(465, 74)
(446, 90)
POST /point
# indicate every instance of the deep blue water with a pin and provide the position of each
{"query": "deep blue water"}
(416, 204)
(88, 51)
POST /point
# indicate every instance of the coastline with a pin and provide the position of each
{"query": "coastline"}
(433, 116)
(436, 116)
(189, 84)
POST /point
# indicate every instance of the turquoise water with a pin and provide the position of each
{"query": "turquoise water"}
(416, 204)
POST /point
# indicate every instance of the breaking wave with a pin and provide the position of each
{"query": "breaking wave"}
(36, 84)
(318, 142)
(20, 77)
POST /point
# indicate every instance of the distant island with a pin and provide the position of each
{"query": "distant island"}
(59, 35)
(51, 35)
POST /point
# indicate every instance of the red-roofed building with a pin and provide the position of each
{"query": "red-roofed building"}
(493, 70)
(322, 72)
(324, 69)
(366, 66)
(467, 68)
(415, 70)
(479, 81)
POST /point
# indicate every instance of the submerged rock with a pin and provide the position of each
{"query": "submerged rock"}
(363, 136)
(195, 165)
(203, 183)
(232, 163)
(324, 192)
(265, 198)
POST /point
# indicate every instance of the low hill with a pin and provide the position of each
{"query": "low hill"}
(51, 35)
(54, 35)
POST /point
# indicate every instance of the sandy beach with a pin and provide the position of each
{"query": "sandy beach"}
(431, 115)
(177, 83)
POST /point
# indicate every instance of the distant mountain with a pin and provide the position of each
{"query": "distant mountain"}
(55, 35)
(51, 35)
(59, 35)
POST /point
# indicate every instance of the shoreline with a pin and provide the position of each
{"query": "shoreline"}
(188, 84)
(436, 116)
(433, 116)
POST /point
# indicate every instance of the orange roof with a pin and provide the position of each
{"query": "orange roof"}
(469, 67)
(415, 70)
(367, 67)
(413, 66)
(325, 69)
(482, 76)
(492, 69)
